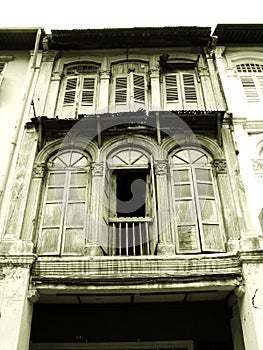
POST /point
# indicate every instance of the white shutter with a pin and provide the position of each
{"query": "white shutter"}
(121, 90)
(139, 88)
(172, 93)
(189, 91)
(87, 102)
(250, 89)
(70, 97)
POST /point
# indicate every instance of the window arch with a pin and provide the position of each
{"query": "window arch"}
(195, 201)
(64, 209)
(79, 90)
(130, 189)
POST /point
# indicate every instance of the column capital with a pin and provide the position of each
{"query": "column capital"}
(104, 74)
(219, 51)
(154, 72)
(220, 166)
(97, 169)
(161, 167)
(39, 170)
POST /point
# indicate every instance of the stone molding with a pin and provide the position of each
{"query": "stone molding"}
(97, 169)
(220, 166)
(161, 167)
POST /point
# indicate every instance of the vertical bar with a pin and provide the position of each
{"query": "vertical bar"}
(140, 235)
(127, 238)
(113, 239)
(147, 238)
(133, 238)
(119, 238)
(159, 140)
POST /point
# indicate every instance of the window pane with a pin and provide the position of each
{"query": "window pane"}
(205, 190)
(78, 178)
(74, 241)
(182, 191)
(77, 193)
(49, 241)
(185, 212)
(75, 214)
(203, 174)
(57, 179)
(181, 175)
(52, 214)
(208, 210)
(55, 193)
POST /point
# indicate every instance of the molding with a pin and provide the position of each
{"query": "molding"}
(220, 166)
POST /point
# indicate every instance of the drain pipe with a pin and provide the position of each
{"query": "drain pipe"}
(21, 115)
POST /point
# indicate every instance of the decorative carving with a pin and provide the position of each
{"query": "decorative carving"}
(33, 295)
(154, 73)
(97, 169)
(104, 74)
(160, 167)
(218, 51)
(39, 170)
(258, 165)
(220, 166)
(49, 56)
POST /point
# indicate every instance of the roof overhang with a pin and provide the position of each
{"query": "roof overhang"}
(239, 34)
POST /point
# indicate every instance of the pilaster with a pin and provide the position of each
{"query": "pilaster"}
(104, 85)
(155, 88)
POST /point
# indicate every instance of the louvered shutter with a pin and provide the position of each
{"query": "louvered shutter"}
(189, 91)
(121, 84)
(250, 89)
(104, 230)
(87, 101)
(151, 208)
(2, 66)
(70, 98)
(138, 88)
(172, 92)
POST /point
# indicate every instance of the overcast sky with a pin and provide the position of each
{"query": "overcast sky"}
(82, 14)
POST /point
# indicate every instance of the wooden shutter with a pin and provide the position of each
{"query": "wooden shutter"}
(151, 189)
(104, 232)
(121, 84)
(189, 91)
(138, 88)
(207, 210)
(70, 98)
(172, 93)
(187, 234)
(250, 89)
(87, 100)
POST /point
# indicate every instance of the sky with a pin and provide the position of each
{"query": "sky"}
(86, 14)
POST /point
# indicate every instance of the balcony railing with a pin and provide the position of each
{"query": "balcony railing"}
(131, 237)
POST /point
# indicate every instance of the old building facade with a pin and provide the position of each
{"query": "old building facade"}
(131, 206)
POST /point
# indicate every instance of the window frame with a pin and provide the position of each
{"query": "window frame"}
(250, 76)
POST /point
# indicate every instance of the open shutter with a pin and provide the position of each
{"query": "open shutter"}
(104, 230)
(87, 102)
(121, 84)
(138, 89)
(70, 97)
(187, 235)
(189, 91)
(207, 211)
(53, 215)
(250, 89)
(151, 194)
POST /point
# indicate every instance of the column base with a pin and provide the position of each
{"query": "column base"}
(165, 249)
(93, 250)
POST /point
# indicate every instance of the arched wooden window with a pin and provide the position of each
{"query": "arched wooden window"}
(195, 202)
(64, 211)
(130, 190)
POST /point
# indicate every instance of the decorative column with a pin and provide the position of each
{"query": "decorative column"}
(103, 103)
(165, 245)
(92, 245)
(155, 88)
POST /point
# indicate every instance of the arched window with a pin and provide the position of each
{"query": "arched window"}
(132, 206)
(64, 210)
(195, 203)
(251, 77)
(129, 86)
(79, 90)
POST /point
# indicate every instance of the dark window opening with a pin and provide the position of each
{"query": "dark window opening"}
(131, 193)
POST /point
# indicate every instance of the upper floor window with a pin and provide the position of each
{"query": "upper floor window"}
(195, 203)
(63, 216)
(78, 92)
(2, 69)
(180, 91)
(251, 77)
(129, 90)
